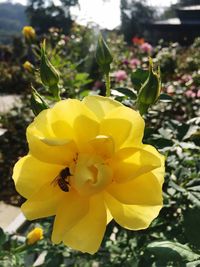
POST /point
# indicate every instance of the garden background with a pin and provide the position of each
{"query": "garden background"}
(172, 124)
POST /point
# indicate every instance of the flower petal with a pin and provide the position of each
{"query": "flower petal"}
(87, 234)
(29, 174)
(43, 203)
(125, 125)
(143, 190)
(101, 145)
(70, 211)
(100, 105)
(129, 163)
(50, 140)
(132, 217)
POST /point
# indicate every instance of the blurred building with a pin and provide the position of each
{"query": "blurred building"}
(183, 29)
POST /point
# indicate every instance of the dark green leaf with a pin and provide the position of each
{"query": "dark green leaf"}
(165, 98)
(127, 92)
(138, 77)
(167, 251)
(2, 237)
(191, 224)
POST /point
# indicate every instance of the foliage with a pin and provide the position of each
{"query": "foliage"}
(45, 14)
(135, 15)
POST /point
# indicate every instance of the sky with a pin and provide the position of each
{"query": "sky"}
(104, 13)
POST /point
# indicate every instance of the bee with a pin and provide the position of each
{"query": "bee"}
(62, 180)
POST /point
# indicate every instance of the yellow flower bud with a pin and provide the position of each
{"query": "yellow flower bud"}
(28, 66)
(34, 236)
(28, 32)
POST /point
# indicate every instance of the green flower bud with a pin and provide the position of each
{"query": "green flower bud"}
(150, 90)
(49, 75)
(37, 102)
(103, 55)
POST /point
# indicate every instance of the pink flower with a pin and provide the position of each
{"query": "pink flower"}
(190, 94)
(134, 63)
(170, 89)
(146, 47)
(198, 93)
(120, 75)
(186, 78)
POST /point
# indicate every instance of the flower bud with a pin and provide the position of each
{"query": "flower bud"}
(37, 103)
(150, 90)
(49, 75)
(103, 55)
(34, 236)
(28, 66)
(29, 33)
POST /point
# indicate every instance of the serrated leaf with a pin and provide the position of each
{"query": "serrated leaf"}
(167, 250)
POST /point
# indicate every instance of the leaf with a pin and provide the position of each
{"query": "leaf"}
(165, 98)
(165, 133)
(191, 131)
(171, 251)
(191, 224)
(138, 77)
(127, 92)
(2, 237)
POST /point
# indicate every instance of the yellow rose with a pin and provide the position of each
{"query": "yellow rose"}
(29, 32)
(34, 236)
(87, 165)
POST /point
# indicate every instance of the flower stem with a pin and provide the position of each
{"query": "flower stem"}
(107, 79)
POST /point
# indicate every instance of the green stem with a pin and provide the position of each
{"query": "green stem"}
(107, 78)
(20, 248)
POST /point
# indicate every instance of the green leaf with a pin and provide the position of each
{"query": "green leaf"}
(138, 77)
(192, 222)
(2, 237)
(37, 102)
(127, 92)
(165, 98)
(171, 251)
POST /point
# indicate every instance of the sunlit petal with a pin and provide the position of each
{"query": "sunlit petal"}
(133, 217)
(30, 174)
(100, 105)
(125, 125)
(87, 234)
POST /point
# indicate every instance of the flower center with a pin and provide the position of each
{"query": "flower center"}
(90, 175)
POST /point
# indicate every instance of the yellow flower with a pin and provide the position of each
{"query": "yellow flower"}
(28, 32)
(87, 165)
(28, 66)
(34, 236)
